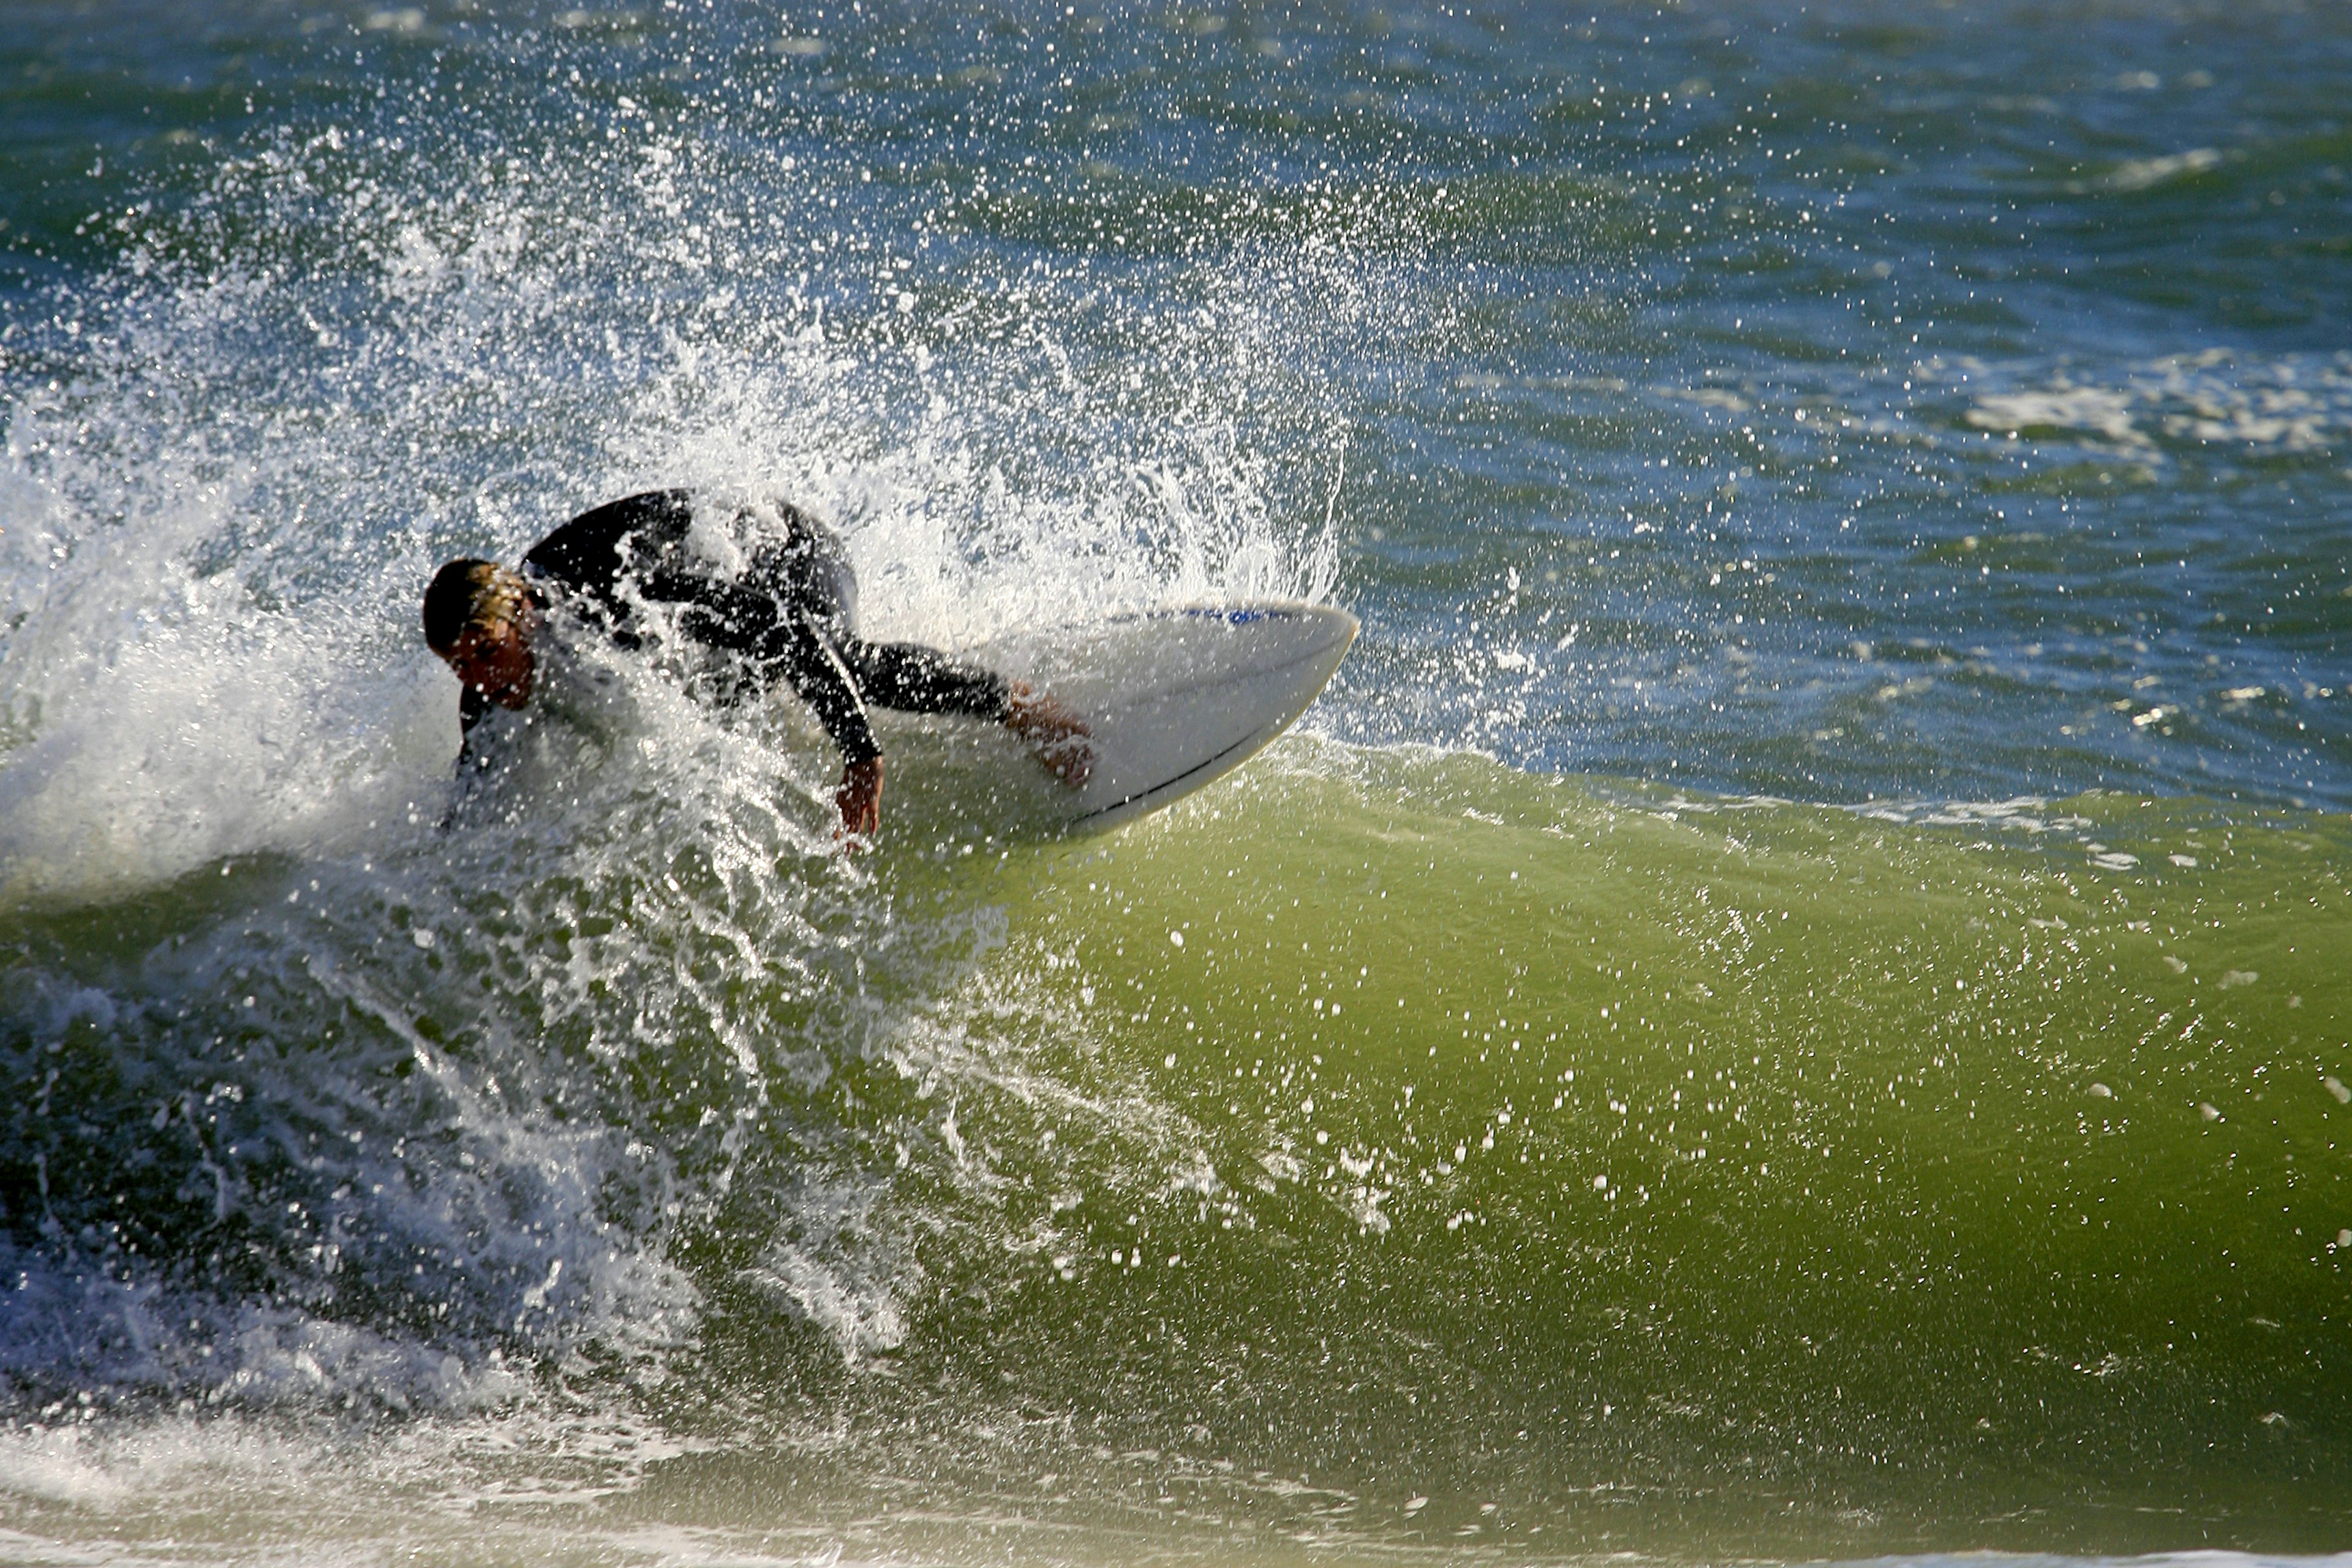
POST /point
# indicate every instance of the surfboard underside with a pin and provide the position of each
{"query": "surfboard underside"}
(1175, 699)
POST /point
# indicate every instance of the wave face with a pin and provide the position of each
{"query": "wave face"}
(1785, 1004)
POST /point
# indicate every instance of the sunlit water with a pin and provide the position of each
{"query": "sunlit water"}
(1789, 1003)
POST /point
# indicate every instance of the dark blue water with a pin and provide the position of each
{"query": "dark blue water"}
(1882, 400)
(1857, 405)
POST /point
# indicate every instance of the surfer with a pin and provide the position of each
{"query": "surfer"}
(781, 603)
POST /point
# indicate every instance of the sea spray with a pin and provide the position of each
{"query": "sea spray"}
(1436, 1135)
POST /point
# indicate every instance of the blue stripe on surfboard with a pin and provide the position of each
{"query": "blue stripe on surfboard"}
(1236, 617)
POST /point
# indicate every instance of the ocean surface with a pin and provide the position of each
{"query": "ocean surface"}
(1792, 1000)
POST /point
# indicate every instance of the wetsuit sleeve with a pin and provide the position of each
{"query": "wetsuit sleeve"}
(913, 678)
(472, 709)
(472, 706)
(798, 650)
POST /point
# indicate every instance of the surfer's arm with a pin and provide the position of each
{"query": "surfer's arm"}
(472, 708)
(912, 678)
(798, 651)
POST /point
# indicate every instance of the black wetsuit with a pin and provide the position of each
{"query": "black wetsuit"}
(790, 613)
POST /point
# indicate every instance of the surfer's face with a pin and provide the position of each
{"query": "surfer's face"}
(496, 659)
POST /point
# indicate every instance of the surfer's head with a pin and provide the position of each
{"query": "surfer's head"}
(479, 617)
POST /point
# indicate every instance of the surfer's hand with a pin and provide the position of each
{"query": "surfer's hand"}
(860, 800)
(1059, 735)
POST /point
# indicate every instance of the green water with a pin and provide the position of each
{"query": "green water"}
(1540, 1164)
(1602, 1165)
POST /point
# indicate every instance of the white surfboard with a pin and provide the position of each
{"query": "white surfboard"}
(1174, 699)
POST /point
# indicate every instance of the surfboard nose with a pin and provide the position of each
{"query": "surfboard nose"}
(1177, 697)
(1331, 632)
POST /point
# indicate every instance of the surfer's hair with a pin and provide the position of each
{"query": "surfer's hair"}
(471, 595)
